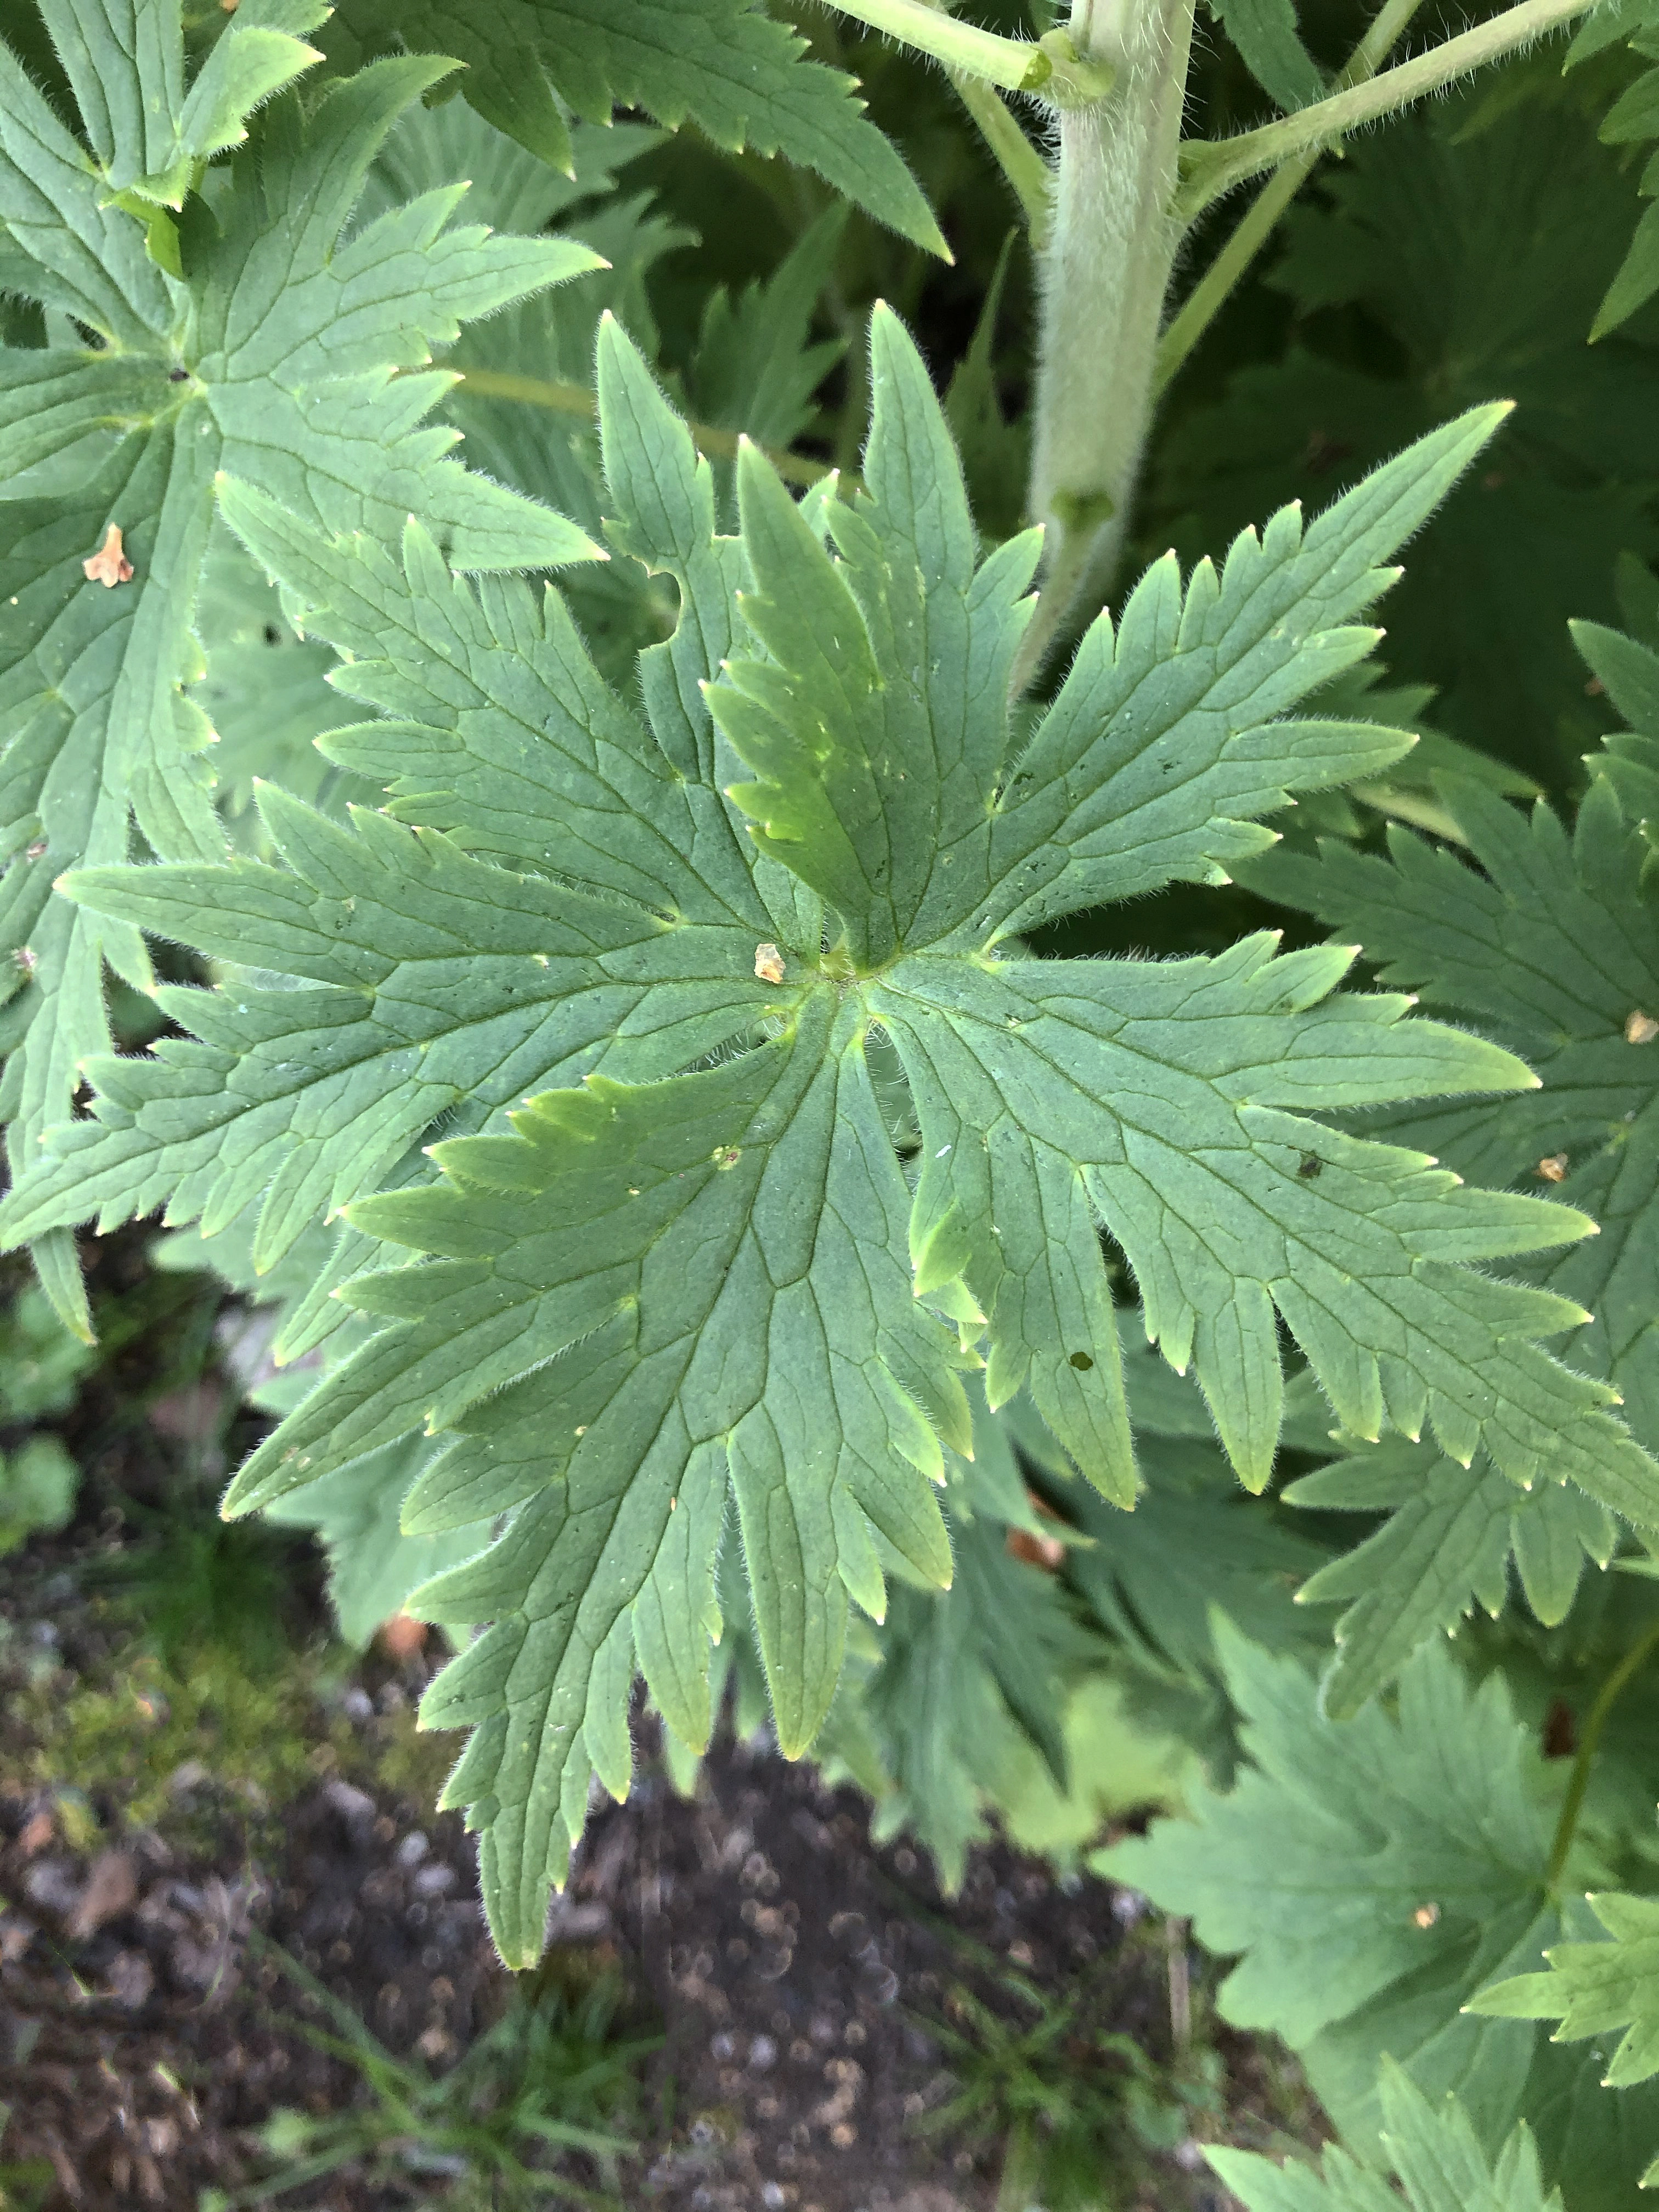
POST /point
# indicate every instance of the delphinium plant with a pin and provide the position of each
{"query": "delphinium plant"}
(742, 955)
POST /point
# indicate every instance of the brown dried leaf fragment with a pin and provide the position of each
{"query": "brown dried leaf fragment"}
(1553, 1167)
(111, 1887)
(1640, 1027)
(109, 565)
(768, 963)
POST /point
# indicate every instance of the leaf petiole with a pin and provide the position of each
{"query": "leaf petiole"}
(1051, 66)
(1595, 1721)
(1211, 168)
(1207, 297)
(576, 400)
(1016, 65)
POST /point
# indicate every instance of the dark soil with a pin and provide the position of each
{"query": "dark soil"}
(801, 1981)
(792, 1969)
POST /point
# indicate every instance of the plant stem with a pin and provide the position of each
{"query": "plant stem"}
(1595, 1721)
(1209, 170)
(1053, 66)
(576, 400)
(1210, 294)
(1014, 64)
(1111, 250)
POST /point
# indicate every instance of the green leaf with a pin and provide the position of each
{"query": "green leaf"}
(1628, 671)
(1351, 1857)
(1265, 32)
(372, 1566)
(1472, 260)
(266, 691)
(124, 60)
(1434, 2153)
(38, 1484)
(756, 369)
(1553, 949)
(636, 1225)
(273, 356)
(694, 1270)
(722, 64)
(1633, 119)
(435, 979)
(1594, 1988)
(1445, 1546)
(965, 1676)
(1193, 1546)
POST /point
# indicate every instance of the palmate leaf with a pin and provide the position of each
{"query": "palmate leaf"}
(1594, 1988)
(699, 1271)
(1434, 2153)
(1628, 671)
(1369, 1875)
(271, 349)
(966, 1681)
(1554, 951)
(725, 65)
(1480, 246)
(1445, 1546)
(1632, 120)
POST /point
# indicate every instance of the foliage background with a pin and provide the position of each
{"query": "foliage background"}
(1456, 255)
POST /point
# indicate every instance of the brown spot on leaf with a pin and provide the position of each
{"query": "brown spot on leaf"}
(109, 565)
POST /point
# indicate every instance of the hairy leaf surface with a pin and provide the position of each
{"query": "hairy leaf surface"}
(724, 64)
(1433, 2152)
(1594, 1988)
(753, 923)
(244, 336)
(1372, 1873)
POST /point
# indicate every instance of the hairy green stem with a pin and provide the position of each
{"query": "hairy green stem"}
(1213, 288)
(1111, 250)
(1595, 1721)
(1015, 63)
(1209, 170)
(1055, 66)
(576, 400)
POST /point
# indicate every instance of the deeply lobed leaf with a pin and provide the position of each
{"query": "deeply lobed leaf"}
(691, 1268)
(725, 64)
(247, 338)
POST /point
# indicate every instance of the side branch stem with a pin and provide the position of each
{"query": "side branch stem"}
(576, 400)
(1210, 169)
(1014, 64)
(1204, 302)
(1595, 1721)
(1106, 272)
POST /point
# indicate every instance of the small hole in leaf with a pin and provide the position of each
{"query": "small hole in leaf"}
(1082, 1362)
(1311, 1165)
